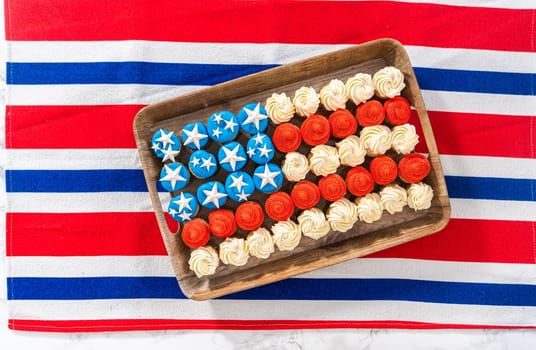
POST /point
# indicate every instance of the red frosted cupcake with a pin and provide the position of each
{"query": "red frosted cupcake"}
(413, 168)
(332, 187)
(287, 137)
(222, 223)
(397, 110)
(195, 233)
(279, 206)
(359, 181)
(305, 194)
(383, 169)
(370, 113)
(249, 216)
(315, 130)
(342, 123)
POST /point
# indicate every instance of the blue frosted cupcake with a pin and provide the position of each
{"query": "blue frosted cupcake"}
(232, 156)
(222, 126)
(253, 118)
(260, 148)
(212, 195)
(174, 177)
(183, 207)
(268, 178)
(239, 186)
(194, 135)
(165, 144)
(202, 164)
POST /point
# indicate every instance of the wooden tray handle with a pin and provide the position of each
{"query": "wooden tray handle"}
(159, 211)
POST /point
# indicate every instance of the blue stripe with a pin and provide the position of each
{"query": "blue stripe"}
(132, 180)
(209, 74)
(30, 288)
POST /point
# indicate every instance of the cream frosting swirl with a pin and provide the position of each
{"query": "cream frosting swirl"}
(420, 196)
(260, 243)
(369, 208)
(404, 138)
(333, 95)
(376, 139)
(279, 108)
(393, 198)
(360, 88)
(351, 151)
(388, 82)
(324, 160)
(287, 235)
(306, 101)
(295, 166)
(313, 223)
(203, 261)
(342, 215)
(234, 251)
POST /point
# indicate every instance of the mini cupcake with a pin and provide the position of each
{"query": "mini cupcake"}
(369, 208)
(253, 118)
(305, 194)
(239, 186)
(342, 123)
(287, 137)
(174, 177)
(204, 261)
(295, 166)
(195, 135)
(165, 144)
(388, 82)
(183, 207)
(249, 216)
(404, 138)
(195, 233)
(268, 178)
(202, 164)
(279, 206)
(324, 160)
(383, 170)
(232, 156)
(279, 108)
(413, 168)
(234, 251)
(393, 198)
(420, 196)
(315, 130)
(306, 101)
(313, 223)
(342, 215)
(376, 139)
(333, 96)
(359, 181)
(370, 113)
(397, 110)
(260, 243)
(260, 149)
(222, 126)
(359, 88)
(351, 151)
(332, 187)
(287, 235)
(212, 195)
(221, 223)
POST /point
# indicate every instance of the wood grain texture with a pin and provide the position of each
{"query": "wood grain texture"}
(311, 254)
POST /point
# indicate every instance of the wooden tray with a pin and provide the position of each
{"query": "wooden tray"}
(334, 248)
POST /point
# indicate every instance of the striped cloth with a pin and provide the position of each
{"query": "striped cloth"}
(83, 249)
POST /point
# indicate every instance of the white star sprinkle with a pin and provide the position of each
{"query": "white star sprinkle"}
(254, 116)
(207, 163)
(217, 118)
(172, 175)
(238, 182)
(216, 132)
(213, 196)
(183, 202)
(251, 152)
(173, 212)
(165, 139)
(155, 146)
(230, 124)
(195, 161)
(242, 196)
(267, 177)
(185, 216)
(194, 136)
(231, 156)
(169, 153)
(265, 152)
(258, 139)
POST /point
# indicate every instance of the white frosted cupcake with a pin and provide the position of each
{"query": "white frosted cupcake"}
(351, 151)
(234, 251)
(359, 88)
(376, 139)
(295, 166)
(260, 243)
(204, 261)
(306, 101)
(404, 138)
(420, 196)
(287, 235)
(333, 96)
(388, 82)
(393, 198)
(342, 215)
(324, 160)
(369, 208)
(313, 223)
(279, 108)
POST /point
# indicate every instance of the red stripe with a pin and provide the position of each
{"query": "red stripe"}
(111, 127)
(177, 324)
(263, 22)
(129, 234)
